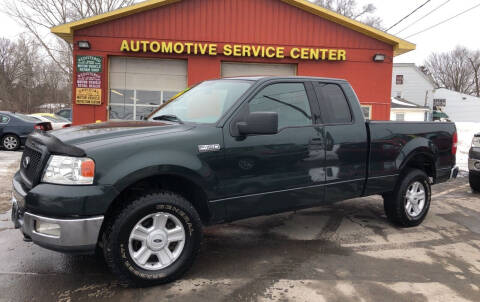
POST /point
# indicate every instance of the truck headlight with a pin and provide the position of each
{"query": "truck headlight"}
(476, 142)
(68, 170)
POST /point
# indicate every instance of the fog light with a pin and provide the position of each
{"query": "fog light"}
(477, 165)
(51, 229)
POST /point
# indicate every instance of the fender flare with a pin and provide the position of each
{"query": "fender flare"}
(415, 147)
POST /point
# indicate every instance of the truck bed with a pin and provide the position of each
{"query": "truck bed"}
(392, 142)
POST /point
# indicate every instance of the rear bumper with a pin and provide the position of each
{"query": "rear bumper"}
(77, 236)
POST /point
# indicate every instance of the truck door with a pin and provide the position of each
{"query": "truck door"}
(346, 144)
(274, 173)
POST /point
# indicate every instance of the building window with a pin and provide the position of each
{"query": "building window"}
(138, 86)
(399, 79)
(400, 117)
(367, 111)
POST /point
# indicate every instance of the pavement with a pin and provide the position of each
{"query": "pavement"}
(342, 252)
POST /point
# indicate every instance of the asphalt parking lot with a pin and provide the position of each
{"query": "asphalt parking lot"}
(343, 252)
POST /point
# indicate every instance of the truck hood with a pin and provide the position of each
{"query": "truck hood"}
(78, 135)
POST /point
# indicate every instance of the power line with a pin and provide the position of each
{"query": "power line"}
(408, 15)
(444, 21)
(423, 17)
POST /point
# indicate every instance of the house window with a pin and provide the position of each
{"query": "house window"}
(399, 79)
(367, 111)
(400, 117)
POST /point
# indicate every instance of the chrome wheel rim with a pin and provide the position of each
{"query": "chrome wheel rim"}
(415, 199)
(156, 241)
(10, 142)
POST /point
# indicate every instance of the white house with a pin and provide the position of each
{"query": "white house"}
(411, 84)
(403, 110)
(458, 106)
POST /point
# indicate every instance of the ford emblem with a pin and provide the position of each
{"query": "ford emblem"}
(26, 161)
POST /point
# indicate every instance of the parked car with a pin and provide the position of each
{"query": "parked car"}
(474, 164)
(225, 150)
(65, 113)
(15, 127)
(57, 121)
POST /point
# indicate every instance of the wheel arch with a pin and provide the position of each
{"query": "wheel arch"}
(421, 158)
(148, 181)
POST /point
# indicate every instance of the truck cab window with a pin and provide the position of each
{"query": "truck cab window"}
(289, 100)
(334, 104)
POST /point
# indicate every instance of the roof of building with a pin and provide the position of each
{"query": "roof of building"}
(400, 46)
(399, 103)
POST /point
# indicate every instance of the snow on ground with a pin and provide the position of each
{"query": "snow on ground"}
(465, 135)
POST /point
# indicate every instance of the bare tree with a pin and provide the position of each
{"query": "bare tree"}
(474, 60)
(350, 9)
(38, 16)
(27, 81)
(453, 70)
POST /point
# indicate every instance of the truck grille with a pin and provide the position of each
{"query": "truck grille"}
(30, 165)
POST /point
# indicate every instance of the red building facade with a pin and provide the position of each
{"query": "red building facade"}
(133, 59)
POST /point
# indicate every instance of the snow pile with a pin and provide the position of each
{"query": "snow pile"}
(465, 131)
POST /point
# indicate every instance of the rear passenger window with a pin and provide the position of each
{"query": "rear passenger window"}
(334, 104)
(289, 100)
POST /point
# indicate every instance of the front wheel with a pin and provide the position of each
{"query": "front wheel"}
(153, 240)
(408, 204)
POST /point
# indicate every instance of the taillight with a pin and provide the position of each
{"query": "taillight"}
(66, 125)
(39, 127)
(454, 143)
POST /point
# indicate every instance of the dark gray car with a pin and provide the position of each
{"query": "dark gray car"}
(15, 127)
(474, 163)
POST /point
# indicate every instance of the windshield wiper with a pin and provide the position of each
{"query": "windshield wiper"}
(168, 117)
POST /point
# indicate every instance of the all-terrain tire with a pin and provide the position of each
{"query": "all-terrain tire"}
(117, 238)
(395, 203)
(474, 180)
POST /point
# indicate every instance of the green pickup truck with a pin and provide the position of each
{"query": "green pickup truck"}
(140, 192)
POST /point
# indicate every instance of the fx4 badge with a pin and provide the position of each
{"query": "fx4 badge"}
(208, 148)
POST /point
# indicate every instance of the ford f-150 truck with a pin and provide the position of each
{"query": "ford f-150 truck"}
(141, 191)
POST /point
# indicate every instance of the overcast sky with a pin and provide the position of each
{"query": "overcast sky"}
(463, 30)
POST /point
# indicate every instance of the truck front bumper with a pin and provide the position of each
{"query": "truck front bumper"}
(78, 236)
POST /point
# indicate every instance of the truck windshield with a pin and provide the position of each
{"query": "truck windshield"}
(204, 103)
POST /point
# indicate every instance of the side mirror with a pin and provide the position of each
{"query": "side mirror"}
(259, 123)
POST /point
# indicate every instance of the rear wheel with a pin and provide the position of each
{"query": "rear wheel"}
(408, 204)
(10, 142)
(154, 240)
(474, 180)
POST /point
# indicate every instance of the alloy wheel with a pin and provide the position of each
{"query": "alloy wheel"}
(156, 241)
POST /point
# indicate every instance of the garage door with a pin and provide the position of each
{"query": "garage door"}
(138, 86)
(253, 69)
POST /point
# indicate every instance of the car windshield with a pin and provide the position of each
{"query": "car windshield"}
(204, 103)
(27, 118)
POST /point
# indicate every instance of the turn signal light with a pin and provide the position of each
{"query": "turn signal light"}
(88, 168)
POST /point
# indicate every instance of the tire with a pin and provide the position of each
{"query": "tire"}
(120, 243)
(474, 180)
(409, 210)
(11, 142)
